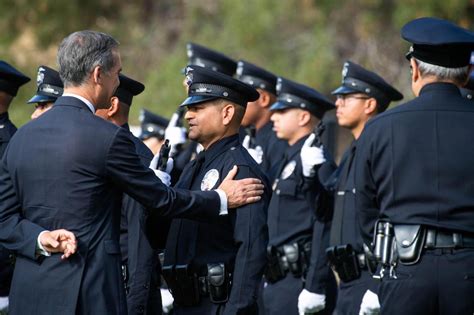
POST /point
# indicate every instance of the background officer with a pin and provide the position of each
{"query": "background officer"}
(297, 274)
(139, 260)
(50, 87)
(414, 169)
(10, 81)
(362, 95)
(216, 268)
(264, 146)
(152, 131)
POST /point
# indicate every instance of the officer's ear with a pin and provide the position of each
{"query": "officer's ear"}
(415, 70)
(97, 74)
(228, 112)
(114, 106)
(304, 118)
(265, 99)
(370, 106)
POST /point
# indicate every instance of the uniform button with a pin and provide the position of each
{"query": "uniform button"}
(146, 286)
(278, 191)
(140, 309)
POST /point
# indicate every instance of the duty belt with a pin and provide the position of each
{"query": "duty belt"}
(437, 238)
(294, 258)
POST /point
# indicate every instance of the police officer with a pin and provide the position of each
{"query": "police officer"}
(139, 260)
(152, 131)
(264, 146)
(50, 87)
(362, 95)
(297, 274)
(182, 150)
(10, 81)
(216, 268)
(414, 171)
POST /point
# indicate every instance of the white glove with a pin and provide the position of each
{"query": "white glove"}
(3, 303)
(166, 300)
(256, 153)
(163, 176)
(309, 302)
(176, 135)
(311, 156)
(370, 304)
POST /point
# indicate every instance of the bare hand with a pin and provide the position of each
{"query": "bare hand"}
(59, 241)
(241, 192)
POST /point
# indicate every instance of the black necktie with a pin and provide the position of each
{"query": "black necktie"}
(336, 225)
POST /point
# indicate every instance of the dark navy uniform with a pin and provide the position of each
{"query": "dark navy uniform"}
(468, 90)
(298, 214)
(272, 147)
(345, 228)
(152, 125)
(140, 261)
(414, 167)
(236, 241)
(10, 81)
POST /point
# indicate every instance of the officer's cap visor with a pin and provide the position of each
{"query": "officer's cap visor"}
(279, 106)
(41, 99)
(197, 99)
(343, 90)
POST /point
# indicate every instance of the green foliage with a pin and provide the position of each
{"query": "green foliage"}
(302, 40)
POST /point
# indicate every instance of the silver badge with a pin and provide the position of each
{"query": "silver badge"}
(345, 69)
(210, 180)
(278, 86)
(189, 76)
(40, 76)
(240, 68)
(189, 50)
(288, 170)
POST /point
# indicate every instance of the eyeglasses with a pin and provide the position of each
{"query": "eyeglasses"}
(345, 97)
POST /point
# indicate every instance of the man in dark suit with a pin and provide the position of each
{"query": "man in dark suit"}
(68, 168)
(414, 171)
(140, 264)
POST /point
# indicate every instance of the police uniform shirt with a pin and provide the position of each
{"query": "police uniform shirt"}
(7, 129)
(239, 239)
(414, 163)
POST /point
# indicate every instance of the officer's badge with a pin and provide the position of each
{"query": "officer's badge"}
(189, 76)
(210, 179)
(240, 68)
(40, 76)
(345, 69)
(288, 170)
(278, 86)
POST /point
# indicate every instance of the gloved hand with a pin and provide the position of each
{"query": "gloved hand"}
(176, 135)
(4, 304)
(309, 302)
(166, 300)
(256, 153)
(370, 304)
(311, 156)
(163, 176)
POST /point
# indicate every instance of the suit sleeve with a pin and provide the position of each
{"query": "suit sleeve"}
(16, 233)
(251, 236)
(366, 192)
(124, 168)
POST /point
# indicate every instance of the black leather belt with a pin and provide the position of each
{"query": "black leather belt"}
(436, 238)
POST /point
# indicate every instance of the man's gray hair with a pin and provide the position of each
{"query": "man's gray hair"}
(456, 75)
(80, 52)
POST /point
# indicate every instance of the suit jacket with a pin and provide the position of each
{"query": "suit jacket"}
(68, 169)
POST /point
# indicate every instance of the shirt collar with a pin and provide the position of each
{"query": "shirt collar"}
(295, 148)
(4, 117)
(220, 146)
(86, 101)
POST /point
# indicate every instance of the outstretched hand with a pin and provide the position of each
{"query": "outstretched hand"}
(241, 192)
(59, 241)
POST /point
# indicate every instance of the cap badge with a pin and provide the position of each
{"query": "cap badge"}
(210, 179)
(189, 76)
(278, 85)
(40, 76)
(240, 68)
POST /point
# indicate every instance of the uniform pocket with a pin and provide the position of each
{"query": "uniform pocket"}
(286, 188)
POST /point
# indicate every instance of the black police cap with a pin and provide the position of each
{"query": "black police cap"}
(49, 86)
(207, 58)
(356, 79)
(439, 42)
(255, 76)
(11, 79)
(127, 89)
(152, 125)
(294, 95)
(206, 85)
